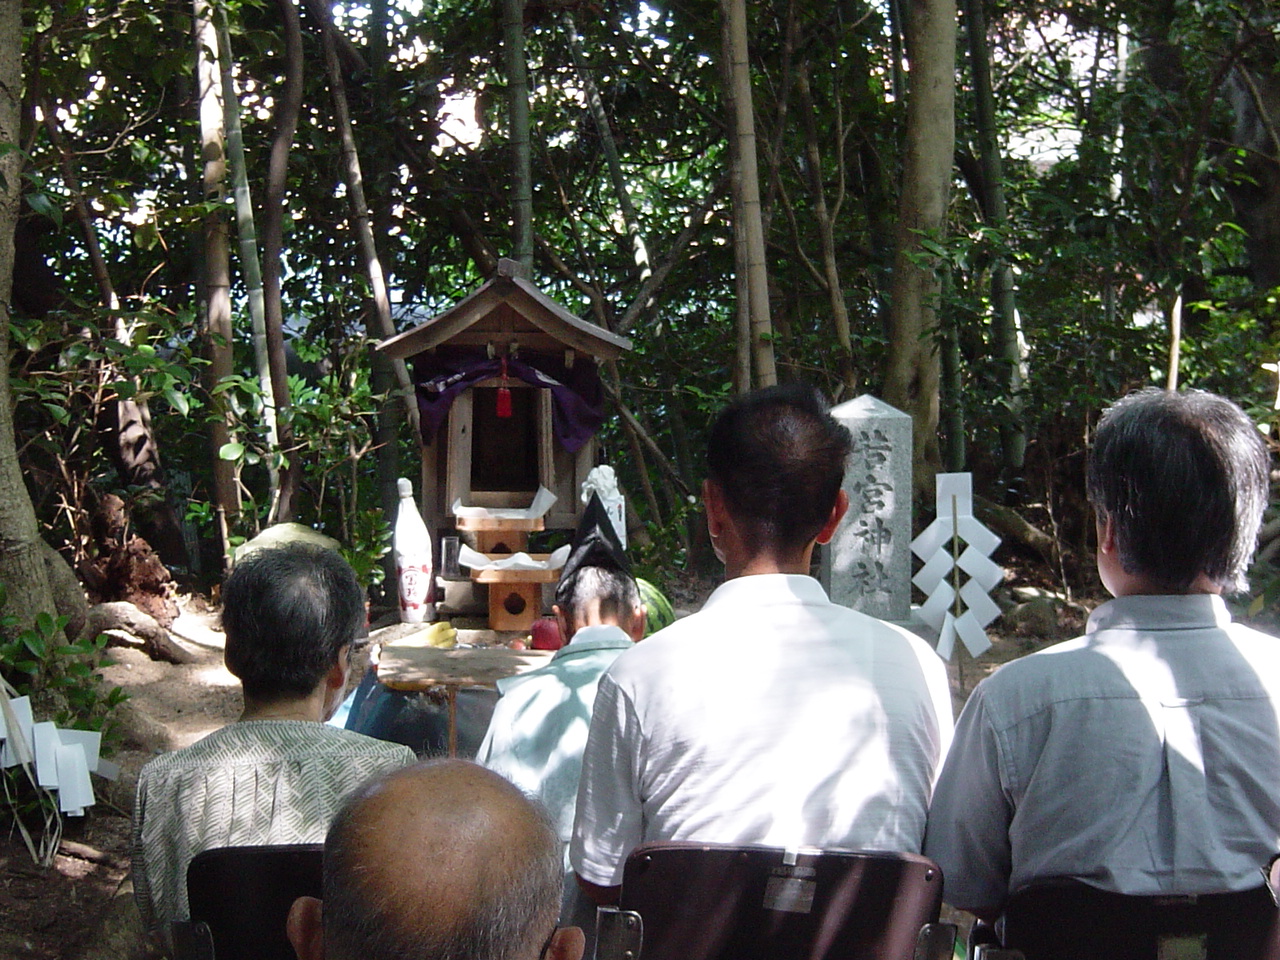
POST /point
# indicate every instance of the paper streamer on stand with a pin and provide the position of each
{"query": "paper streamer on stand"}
(964, 613)
(516, 561)
(62, 759)
(603, 482)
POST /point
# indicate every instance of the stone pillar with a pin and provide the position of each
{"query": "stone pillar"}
(867, 565)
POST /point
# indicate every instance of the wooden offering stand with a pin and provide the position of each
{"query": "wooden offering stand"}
(515, 596)
(410, 667)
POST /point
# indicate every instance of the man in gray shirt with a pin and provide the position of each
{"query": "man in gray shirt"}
(1142, 758)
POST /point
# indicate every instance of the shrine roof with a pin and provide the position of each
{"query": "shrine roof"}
(508, 307)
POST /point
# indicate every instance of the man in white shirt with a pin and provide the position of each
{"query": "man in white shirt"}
(1144, 757)
(539, 727)
(772, 715)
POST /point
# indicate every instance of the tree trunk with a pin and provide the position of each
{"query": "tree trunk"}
(216, 302)
(826, 226)
(911, 370)
(381, 375)
(287, 109)
(250, 266)
(954, 451)
(639, 251)
(747, 185)
(1006, 337)
(22, 569)
(671, 258)
(125, 424)
(518, 114)
(378, 323)
(741, 286)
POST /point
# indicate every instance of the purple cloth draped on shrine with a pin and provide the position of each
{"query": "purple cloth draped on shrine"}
(577, 402)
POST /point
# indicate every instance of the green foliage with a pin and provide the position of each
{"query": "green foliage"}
(332, 416)
(64, 685)
(64, 376)
(60, 677)
(1102, 234)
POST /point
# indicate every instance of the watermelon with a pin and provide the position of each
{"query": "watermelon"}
(657, 608)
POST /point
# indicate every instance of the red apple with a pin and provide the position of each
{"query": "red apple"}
(546, 634)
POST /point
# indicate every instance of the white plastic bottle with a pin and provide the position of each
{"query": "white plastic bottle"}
(411, 543)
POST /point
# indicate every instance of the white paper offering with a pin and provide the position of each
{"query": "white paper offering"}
(46, 744)
(18, 727)
(517, 561)
(932, 573)
(955, 528)
(947, 637)
(981, 568)
(75, 792)
(91, 740)
(603, 482)
(954, 493)
(938, 605)
(107, 770)
(543, 500)
(970, 631)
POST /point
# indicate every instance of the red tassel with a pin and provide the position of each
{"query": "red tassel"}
(504, 395)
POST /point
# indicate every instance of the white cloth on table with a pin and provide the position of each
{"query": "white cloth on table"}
(771, 716)
(1142, 758)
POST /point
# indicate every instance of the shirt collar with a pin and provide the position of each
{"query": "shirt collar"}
(1196, 611)
(601, 637)
(768, 588)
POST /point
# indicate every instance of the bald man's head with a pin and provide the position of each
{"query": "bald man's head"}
(440, 861)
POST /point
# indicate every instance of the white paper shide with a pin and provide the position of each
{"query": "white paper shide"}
(61, 760)
(957, 547)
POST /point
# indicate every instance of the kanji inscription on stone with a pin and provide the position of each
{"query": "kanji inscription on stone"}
(867, 566)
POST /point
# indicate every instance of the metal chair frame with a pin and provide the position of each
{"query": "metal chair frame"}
(701, 901)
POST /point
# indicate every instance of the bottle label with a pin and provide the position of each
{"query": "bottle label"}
(415, 589)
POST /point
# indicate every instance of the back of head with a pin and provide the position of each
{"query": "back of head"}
(1183, 477)
(440, 861)
(287, 612)
(612, 592)
(778, 457)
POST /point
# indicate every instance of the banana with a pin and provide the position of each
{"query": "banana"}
(441, 634)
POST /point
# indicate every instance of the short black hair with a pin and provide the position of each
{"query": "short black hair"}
(1184, 478)
(287, 612)
(615, 591)
(778, 457)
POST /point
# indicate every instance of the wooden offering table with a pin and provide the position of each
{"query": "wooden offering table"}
(515, 596)
(404, 666)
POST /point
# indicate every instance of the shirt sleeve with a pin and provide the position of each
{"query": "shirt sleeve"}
(609, 818)
(940, 693)
(484, 756)
(968, 827)
(141, 878)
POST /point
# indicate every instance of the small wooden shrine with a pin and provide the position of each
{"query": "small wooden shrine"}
(509, 393)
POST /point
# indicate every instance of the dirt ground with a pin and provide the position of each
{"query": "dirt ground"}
(63, 912)
(81, 908)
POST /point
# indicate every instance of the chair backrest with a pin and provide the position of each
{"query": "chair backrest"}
(1055, 921)
(243, 895)
(701, 901)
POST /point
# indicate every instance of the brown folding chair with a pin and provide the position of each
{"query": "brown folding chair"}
(702, 901)
(1070, 920)
(239, 901)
